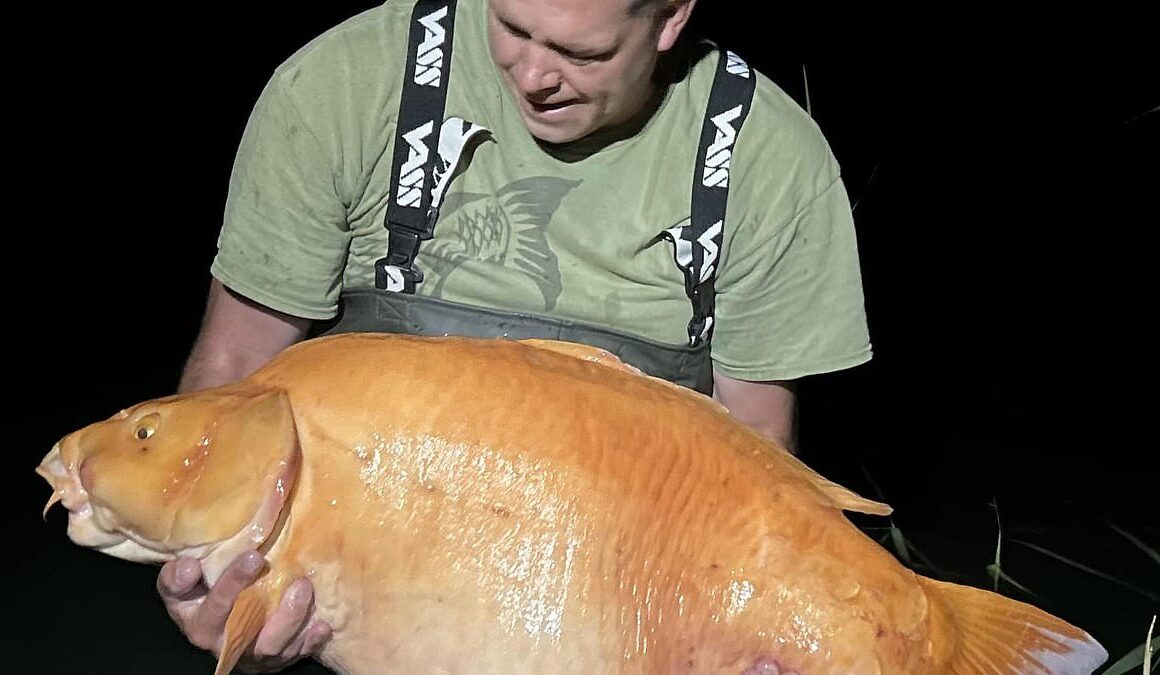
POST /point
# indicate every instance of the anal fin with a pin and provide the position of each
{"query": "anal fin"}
(242, 628)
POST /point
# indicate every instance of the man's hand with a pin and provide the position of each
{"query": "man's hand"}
(291, 632)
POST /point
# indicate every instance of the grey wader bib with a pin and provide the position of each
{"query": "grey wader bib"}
(393, 307)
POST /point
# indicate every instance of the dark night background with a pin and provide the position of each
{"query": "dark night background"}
(1001, 169)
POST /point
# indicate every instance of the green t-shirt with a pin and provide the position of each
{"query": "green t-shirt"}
(574, 236)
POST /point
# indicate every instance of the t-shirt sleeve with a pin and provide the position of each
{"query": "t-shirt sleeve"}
(790, 300)
(285, 237)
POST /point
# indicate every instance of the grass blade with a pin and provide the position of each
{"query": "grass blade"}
(1094, 572)
(900, 545)
(866, 187)
(921, 557)
(996, 569)
(998, 574)
(1137, 118)
(1141, 655)
(1126, 663)
(1148, 550)
(1148, 667)
(806, 82)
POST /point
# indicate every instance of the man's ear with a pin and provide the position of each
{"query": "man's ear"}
(675, 16)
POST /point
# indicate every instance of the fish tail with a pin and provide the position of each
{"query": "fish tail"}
(987, 633)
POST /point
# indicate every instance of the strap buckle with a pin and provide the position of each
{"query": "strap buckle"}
(397, 272)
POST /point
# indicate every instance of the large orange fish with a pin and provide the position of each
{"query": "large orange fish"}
(502, 506)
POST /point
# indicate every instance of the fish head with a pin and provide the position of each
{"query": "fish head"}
(178, 476)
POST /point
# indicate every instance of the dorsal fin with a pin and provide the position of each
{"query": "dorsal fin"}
(848, 500)
(841, 497)
(584, 352)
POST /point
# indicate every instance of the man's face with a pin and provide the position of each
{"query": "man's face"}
(575, 66)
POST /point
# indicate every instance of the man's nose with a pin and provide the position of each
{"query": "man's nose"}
(538, 71)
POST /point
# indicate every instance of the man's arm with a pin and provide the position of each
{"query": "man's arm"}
(768, 407)
(237, 337)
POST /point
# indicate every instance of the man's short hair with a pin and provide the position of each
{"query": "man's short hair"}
(636, 7)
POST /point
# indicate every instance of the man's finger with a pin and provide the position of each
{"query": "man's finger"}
(178, 580)
(288, 620)
(267, 664)
(219, 602)
(306, 644)
(316, 635)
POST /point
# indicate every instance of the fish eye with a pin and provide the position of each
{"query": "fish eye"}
(146, 426)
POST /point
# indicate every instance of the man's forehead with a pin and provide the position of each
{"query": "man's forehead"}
(576, 9)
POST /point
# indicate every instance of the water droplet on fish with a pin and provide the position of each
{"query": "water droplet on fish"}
(848, 591)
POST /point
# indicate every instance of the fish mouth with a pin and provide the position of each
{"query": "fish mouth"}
(52, 470)
(67, 489)
(62, 470)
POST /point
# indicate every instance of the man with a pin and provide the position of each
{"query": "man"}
(554, 201)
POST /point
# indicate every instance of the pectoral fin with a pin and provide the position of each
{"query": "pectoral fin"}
(242, 628)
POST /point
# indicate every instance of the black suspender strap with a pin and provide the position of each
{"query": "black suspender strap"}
(696, 246)
(410, 216)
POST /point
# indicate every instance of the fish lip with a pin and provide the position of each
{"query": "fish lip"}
(52, 466)
(52, 469)
(65, 481)
(64, 476)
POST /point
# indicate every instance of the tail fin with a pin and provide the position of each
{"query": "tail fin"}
(996, 634)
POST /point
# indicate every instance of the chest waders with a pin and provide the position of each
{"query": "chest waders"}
(419, 178)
